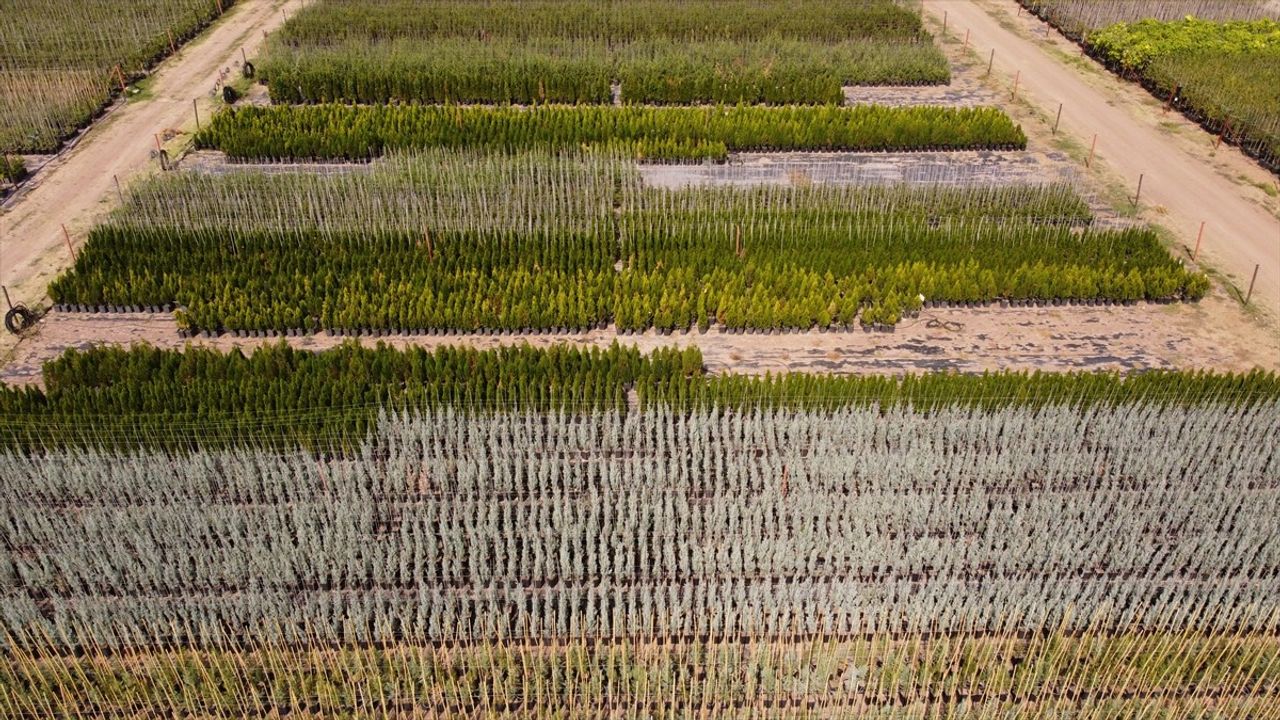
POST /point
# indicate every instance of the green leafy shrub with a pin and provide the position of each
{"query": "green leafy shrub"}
(12, 168)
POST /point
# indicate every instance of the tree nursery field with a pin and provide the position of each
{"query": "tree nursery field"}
(373, 531)
(1218, 62)
(60, 62)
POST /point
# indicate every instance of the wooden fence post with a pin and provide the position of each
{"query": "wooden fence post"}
(1058, 119)
(1139, 193)
(991, 63)
(1249, 296)
(1199, 237)
(1017, 77)
(1092, 148)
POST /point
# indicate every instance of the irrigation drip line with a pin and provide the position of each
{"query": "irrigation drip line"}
(695, 693)
(440, 585)
(761, 401)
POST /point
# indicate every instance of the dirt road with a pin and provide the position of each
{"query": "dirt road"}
(1240, 234)
(77, 187)
(966, 340)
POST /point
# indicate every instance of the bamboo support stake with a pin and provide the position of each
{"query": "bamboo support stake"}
(991, 63)
(70, 248)
(173, 47)
(1249, 295)
(196, 107)
(1092, 148)
(119, 193)
(944, 23)
(1139, 193)
(1199, 238)
(1016, 78)
(1226, 128)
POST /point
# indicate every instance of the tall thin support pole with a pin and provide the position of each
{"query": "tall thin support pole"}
(70, 248)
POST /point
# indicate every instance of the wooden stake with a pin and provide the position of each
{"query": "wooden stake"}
(196, 106)
(159, 148)
(1199, 237)
(120, 75)
(991, 63)
(1017, 76)
(71, 249)
(944, 23)
(243, 59)
(119, 194)
(966, 38)
(173, 48)
(1058, 120)
(1249, 295)
(1139, 193)
(1094, 146)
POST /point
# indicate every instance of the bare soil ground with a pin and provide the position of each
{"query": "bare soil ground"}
(77, 186)
(949, 168)
(1184, 180)
(962, 339)
(964, 90)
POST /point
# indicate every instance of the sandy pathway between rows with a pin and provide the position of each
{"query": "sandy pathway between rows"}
(1051, 339)
(77, 188)
(1130, 140)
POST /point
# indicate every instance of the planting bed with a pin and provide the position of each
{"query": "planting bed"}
(679, 133)
(574, 52)
(1221, 68)
(510, 530)
(959, 339)
(60, 62)
(589, 246)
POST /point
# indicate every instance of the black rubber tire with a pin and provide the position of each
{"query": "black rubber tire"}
(18, 319)
(229, 94)
(248, 70)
